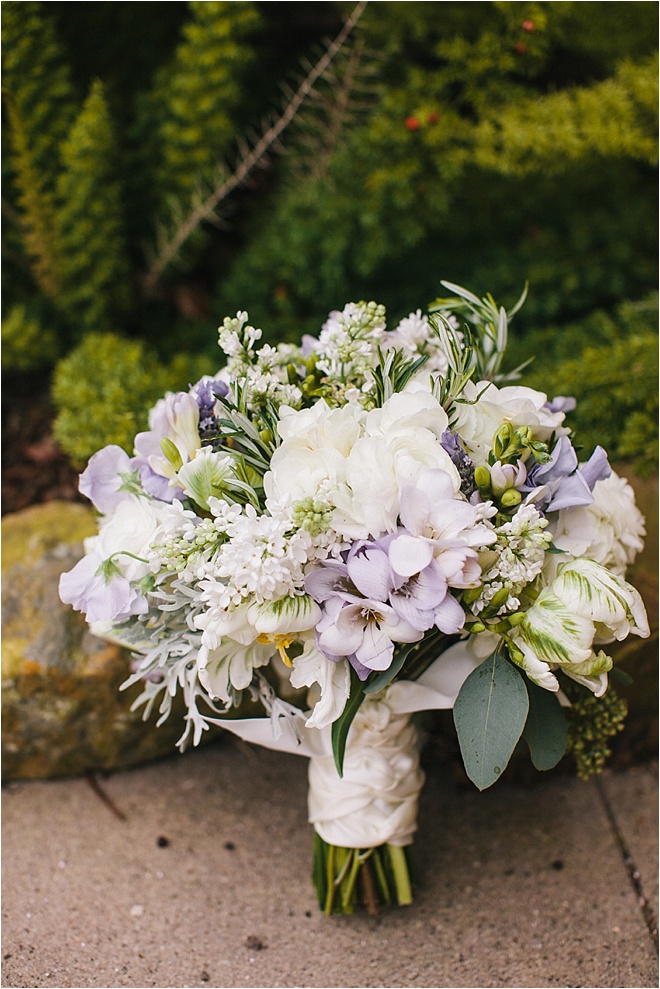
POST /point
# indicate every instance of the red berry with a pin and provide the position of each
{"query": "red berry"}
(432, 118)
(412, 123)
(528, 26)
(520, 47)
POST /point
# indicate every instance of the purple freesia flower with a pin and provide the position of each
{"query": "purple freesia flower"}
(102, 599)
(101, 481)
(438, 526)
(357, 621)
(560, 403)
(155, 484)
(561, 483)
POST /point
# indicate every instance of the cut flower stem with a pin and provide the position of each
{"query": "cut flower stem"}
(371, 877)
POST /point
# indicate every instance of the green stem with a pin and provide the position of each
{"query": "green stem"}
(401, 875)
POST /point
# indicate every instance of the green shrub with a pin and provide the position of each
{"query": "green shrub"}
(609, 363)
(104, 389)
(27, 345)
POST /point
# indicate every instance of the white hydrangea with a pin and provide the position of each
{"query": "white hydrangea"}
(609, 531)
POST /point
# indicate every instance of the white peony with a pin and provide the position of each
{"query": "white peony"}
(608, 531)
(312, 456)
(401, 444)
(477, 423)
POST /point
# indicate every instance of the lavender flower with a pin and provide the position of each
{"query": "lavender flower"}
(561, 483)
(102, 481)
(451, 443)
(98, 588)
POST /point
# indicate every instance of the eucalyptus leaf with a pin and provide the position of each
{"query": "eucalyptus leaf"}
(545, 730)
(490, 713)
(341, 726)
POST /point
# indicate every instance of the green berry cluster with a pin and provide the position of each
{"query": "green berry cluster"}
(592, 721)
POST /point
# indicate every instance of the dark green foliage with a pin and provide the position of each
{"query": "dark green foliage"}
(609, 363)
(189, 117)
(27, 344)
(36, 80)
(94, 271)
(485, 143)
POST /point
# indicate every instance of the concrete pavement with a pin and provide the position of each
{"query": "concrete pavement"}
(205, 882)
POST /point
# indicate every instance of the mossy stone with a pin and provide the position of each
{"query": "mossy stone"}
(62, 711)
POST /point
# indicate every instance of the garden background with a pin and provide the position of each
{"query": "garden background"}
(166, 164)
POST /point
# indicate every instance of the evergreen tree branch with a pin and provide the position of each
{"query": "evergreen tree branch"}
(250, 159)
(36, 218)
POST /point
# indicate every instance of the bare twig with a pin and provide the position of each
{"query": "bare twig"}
(103, 796)
(249, 160)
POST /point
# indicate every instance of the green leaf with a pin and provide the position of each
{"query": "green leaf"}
(373, 685)
(545, 730)
(341, 726)
(618, 674)
(489, 714)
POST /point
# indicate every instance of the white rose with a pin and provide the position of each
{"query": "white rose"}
(608, 531)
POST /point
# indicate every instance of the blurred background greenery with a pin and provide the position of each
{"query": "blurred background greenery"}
(489, 144)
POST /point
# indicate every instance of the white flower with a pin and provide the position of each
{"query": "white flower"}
(590, 590)
(130, 529)
(401, 442)
(312, 456)
(348, 340)
(331, 683)
(608, 531)
(206, 475)
(551, 635)
(414, 336)
(229, 667)
(286, 617)
(478, 422)
(173, 419)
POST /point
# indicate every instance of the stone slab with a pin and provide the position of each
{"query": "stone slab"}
(205, 883)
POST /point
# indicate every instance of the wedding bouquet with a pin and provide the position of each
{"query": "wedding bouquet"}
(349, 531)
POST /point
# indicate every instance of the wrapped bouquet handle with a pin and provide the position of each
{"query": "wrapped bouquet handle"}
(365, 818)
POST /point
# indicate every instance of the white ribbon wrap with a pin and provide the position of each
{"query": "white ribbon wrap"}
(376, 800)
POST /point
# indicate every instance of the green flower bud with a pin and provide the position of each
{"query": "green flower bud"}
(171, 453)
(471, 594)
(510, 498)
(499, 599)
(478, 627)
(502, 439)
(482, 478)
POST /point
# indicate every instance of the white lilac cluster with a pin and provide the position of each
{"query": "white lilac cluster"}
(347, 510)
